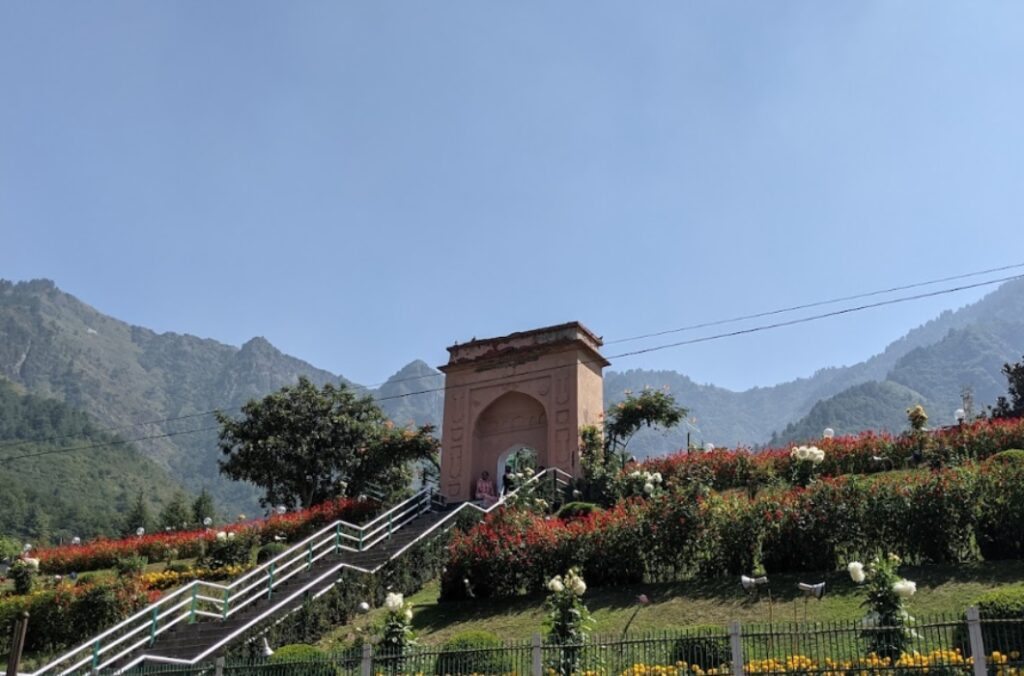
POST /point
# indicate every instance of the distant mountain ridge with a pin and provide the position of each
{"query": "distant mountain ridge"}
(54, 345)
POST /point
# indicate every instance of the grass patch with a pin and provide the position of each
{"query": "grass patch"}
(941, 589)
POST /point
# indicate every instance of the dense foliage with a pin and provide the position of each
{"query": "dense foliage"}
(51, 496)
(291, 526)
(861, 454)
(304, 444)
(1012, 405)
(920, 516)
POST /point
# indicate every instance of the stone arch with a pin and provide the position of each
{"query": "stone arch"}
(512, 420)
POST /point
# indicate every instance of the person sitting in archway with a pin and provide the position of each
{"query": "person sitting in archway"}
(486, 493)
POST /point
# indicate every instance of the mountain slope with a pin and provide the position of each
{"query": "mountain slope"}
(61, 495)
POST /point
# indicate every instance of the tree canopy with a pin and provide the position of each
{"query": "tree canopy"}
(306, 444)
(1011, 406)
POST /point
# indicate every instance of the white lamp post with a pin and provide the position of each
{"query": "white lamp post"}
(828, 433)
(960, 416)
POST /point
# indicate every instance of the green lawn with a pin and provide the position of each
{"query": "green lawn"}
(940, 589)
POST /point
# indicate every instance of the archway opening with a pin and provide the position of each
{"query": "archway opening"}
(519, 462)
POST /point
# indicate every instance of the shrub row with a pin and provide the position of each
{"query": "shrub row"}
(741, 468)
(104, 553)
(921, 516)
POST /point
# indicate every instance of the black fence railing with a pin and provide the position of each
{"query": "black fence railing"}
(937, 646)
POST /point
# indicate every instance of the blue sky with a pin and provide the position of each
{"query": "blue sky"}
(365, 183)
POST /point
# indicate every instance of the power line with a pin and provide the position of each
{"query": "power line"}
(819, 303)
(118, 442)
(622, 355)
(105, 430)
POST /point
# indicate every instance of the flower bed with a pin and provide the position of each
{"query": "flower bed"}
(923, 516)
(741, 468)
(105, 553)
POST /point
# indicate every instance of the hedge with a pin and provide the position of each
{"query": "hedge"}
(925, 516)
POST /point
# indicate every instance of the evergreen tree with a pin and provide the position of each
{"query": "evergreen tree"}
(1013, 405)
(139, 516)
(202, 508)
(176, 514)
(38, 526)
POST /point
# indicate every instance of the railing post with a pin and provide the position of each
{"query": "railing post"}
(95, 655)
(224, 610)
(736, 643)
(337, 538)
(152, 626)
(309, 555)
(17, 643)
(977, 643)
(270, 581)
(366, 666)
(192, 610)
(361, 533)
(537, 657)
(218, 667)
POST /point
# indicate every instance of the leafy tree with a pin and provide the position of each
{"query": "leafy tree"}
(176, 514)
(202, 507)
(303, 445)
(139, 516)
(1012, 406)
(607, 449)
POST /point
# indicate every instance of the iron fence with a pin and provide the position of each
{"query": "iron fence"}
(936, 646)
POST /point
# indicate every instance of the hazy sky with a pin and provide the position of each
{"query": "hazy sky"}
(365, 183)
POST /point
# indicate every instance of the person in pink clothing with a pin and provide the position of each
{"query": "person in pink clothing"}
(486, 492)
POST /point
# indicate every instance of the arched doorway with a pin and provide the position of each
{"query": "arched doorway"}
(517, 459)
(511, 423)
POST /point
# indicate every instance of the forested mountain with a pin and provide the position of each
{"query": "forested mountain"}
(53, 495)
(55, 346)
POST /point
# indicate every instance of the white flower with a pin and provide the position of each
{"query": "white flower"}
(231, 535)
(32, 563)
(648, 488)
(394, 602)
(222, 536)
(555, 585)
(408, 614)
(634, 474)
(904, 588)
(579, 587)
(656, 477)
(815, 454)
(856, 569)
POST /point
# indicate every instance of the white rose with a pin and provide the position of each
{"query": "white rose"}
(648, 488)
(32, 563)
(231, 535)
(656, 477)
(817, 455)
(904, 588)
(555, 585)
(222, 536)
(394, 602)
(408, 614)
(856, 569)
(634, 474)
(579, 587)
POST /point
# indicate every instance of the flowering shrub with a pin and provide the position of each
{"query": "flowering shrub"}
(104, 553)
(924, 516)
(568, 621)
(886, 626)
(397, 634)
(861, 454)
(168, 579)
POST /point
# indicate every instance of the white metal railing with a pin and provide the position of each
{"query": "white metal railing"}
(201, 598)
(190, 602)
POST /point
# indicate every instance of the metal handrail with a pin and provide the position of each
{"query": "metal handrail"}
(556, 473)
(190, 596)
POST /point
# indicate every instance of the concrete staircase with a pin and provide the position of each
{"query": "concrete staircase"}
(186, 641)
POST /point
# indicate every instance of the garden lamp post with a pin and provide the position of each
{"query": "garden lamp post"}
(828, 433)
(960, 416)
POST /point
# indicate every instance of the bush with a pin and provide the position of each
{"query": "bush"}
(999, 527)
(706, 647)
(1013, 456)
(576, 510)
(230, 549)
(129, 566)
(1000, 604)
(303, 660)
(23, 577)
(472, 652)
(269, 551)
